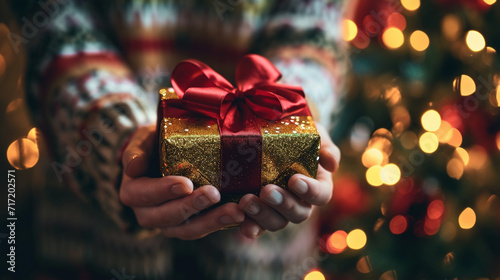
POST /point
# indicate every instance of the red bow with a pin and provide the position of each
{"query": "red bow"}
(204, 91)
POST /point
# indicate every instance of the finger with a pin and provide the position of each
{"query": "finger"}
(314, 191)
(137, 154)
(329, 153)
(262, 213)
(219, 218)
(146, 191)
(177, 211)
(251, 228)
(286, 203)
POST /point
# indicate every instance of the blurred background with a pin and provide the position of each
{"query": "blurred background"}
(417, 194)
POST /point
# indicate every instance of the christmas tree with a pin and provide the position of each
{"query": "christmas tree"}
(417, 195)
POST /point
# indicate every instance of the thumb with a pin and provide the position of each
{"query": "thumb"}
(139, 152)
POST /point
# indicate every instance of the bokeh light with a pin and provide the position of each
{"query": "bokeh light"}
(349, 30)
(497, 96)
(477, 157)
(497, 140)
(14, 105)
(462, 154)
(364, 265)
(356, 239)
(397, 20)
(451, 26)
(428, 142)
(431, 120)
(32, 135)
(464, 85)
(314, 275)
(393, 38)
(389, 275)
(390, 174)
(431, 226)
(444, 133)
(419, 40)
(22, 154)
(455, 138)
(467, 218)
(410, 5)
(3, 66)
(372, 157)
(490, 2)
(435, 209)
(475, 41)
(373, 176)
(455, 168)
(336, 243)
(398, 224)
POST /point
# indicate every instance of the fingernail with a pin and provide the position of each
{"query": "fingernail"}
(300, 186)
(201, 202)
(227, 219)
(274, 197)
(252, 208)
(256, 232)
(179, 189)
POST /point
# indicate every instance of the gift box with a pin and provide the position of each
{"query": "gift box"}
(236, 139)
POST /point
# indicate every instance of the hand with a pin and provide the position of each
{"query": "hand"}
(170, 202)
(275, 207)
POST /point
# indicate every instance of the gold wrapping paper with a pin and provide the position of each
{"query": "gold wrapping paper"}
(191, 148)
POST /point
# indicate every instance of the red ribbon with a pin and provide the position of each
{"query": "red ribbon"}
(203, 92)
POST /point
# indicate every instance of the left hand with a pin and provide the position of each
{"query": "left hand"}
(275, 207)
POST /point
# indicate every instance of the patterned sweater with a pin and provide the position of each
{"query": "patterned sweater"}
(94, 70)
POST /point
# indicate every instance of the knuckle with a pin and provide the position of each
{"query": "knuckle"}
(144, 198)
(314, 195)
(289, 206)
(278, 225)
(125, 197)
(301, 217)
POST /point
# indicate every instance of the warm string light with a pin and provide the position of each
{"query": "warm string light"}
(373, 176)
(390, 174)
(419, 40)
(314, 275)
(393, 38)
(464, 85)
(336, 243)
(431, 120)
(475, 41)
(23, 153)
(364, 265)
(372, 157)
(467, 218)
(356, 239)
(410, 5)
(428, 142)
(349, 30)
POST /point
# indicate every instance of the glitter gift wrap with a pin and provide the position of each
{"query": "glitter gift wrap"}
(236, 147)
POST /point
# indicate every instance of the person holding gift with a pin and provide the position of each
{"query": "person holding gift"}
(92, 87)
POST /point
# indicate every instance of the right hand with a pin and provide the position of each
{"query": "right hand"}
(169, 203)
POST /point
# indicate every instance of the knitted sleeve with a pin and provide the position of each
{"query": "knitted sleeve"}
(303, 38)
(84, 99)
